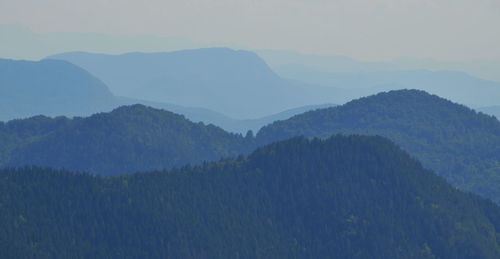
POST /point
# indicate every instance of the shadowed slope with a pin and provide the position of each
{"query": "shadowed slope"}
(128, 139)
(347, 197)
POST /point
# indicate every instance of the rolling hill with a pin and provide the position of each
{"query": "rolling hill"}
(456, 142)
(348, 197)
(453, 140)
(126, 140)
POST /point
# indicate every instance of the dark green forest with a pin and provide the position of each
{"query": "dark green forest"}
(126, 140)
(456, 142)
(343, 197)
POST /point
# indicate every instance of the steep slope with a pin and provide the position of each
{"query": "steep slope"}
(456, 142)
(126, 140)
(345, 197)
(219, 79)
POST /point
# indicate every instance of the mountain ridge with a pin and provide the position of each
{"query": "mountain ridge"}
(455, 141)
(27, 89)
(125, 140)
(220, 79)
(350, 197)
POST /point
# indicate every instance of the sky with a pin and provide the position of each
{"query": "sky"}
(370, 30)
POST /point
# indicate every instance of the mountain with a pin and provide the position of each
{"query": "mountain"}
(491, 110)
(475, 83)
(279, 60)
(59, 88)
(49, 87)
(344, 197)
(243, 126)
(20, 42)
(54, 88)
(453, 85)
(456, 142)
(224, 80)
(126, 140)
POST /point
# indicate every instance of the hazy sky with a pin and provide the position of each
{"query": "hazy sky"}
(363, 29)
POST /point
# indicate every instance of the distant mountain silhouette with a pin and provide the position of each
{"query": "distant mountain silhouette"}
(126, 140)
(242, 126)
(456, 142)
(235, 83)
(54, 88)
(344, 197)
(59, 88)
(457, 86)
(49, 87)
(287, 62)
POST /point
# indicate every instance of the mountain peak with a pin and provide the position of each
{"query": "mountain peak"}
(443, 135)
(128, 139)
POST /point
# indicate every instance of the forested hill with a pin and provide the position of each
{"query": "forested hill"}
(126, 140)
(344, 197)
(16, 133)
(456, 142)
(453, 140)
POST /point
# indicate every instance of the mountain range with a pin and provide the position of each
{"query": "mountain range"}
(223, 153)
(279, 60)
(457, 86)
(59, 88)
(223, 80)
(20, 42)
(347, 197)
(230, 82)
(126, 140)
(456, 142)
